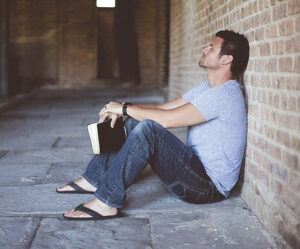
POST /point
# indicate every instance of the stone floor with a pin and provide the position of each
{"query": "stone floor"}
(44, 143)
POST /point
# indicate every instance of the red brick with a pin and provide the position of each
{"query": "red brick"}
(290, 160)
(295, 143)
(265, 17)
(284, 101)
(262, 176)
(277, 187)
(271, 65)
(293, 7)
(288, 121)
(279, 11)
(286, 27)
(283, 137)
(298, 104)
(293, 180)
(271, 30)
(265, 49)
(275, 101)
(257, 157)
(269, 132)
(274, 151)
(297, 64)
(259, 34)
(286, 64)
(292, 44)
(279, 171)
(278, 47)
(297, 21)
(292, 103)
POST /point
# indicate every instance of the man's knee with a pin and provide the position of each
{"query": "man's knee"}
(147, 125)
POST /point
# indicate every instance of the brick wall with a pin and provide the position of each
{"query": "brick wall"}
(51, 43)
(32, 43)
(151, 37)
(162, 42)
(271, 180)
(77, 42)
(145, 20)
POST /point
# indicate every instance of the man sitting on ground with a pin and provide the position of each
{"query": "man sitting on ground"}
(202, 171)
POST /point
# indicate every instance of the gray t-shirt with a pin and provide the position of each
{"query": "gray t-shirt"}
(220, 141)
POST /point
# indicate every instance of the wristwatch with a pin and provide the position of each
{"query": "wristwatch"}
(124, 108)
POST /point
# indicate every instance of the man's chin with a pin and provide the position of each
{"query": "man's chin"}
(201, 65)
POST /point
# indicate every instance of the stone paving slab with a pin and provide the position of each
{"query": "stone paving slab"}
(228, 229)
(37, 200)
(11, 131)
(47, 155)
(24, 116)
(17, 232)
(22, 173)
(3, 152)
(74, 142)
(29, 142)
(61, 130)
(65, 172)
(125, 233)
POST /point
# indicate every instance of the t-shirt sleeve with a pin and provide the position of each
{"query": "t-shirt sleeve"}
(208, 103)
(188, 96)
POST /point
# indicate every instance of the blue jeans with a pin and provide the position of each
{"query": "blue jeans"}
(149, 143)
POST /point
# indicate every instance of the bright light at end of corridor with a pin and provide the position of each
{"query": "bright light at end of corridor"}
(106, 3)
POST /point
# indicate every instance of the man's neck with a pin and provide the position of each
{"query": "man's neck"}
(218, 79)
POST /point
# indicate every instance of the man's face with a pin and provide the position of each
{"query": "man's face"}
(210, 54)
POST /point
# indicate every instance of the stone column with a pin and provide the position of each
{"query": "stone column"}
(3, 47)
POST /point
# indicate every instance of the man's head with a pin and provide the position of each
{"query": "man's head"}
(227, 49)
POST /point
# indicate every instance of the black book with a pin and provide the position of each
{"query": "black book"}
(106, 139)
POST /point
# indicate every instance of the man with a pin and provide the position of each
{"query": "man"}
(204, 170)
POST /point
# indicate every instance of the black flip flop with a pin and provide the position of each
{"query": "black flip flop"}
(94, 215)
(77, 190)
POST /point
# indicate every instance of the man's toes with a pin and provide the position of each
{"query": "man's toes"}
(73, 213)
(69, 212)
(65, 188)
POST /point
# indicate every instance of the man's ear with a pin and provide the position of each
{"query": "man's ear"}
(226, 59)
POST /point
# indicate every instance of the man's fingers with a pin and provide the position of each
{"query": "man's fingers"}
(103, 117)
(113, 120)
(103, 110)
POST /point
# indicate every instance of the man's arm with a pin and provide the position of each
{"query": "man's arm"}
(184, 115)
(174, 103)
(180, 114)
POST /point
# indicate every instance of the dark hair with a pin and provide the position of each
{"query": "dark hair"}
(237, 45)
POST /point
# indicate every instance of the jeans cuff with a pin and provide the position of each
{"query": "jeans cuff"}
(107, 200)
(90, 181)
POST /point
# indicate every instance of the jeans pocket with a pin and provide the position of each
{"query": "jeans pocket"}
(194, 195)
(188, 193)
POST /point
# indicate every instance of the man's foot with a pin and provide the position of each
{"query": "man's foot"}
(82, 186)
(99, 210)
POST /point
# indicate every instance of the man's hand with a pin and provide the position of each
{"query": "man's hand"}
(111, 110)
